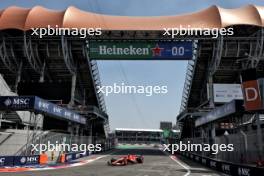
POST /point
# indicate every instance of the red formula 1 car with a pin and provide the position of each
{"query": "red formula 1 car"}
(125, 160)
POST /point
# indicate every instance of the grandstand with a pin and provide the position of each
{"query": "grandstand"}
(210, 112)
(55, 72)
(138, 136)
(61, 64)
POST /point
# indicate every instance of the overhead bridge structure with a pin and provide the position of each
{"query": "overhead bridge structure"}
(58, 68)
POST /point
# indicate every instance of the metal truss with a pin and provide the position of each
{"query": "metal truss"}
(217, 55)
(96, 79)
(8, 57)
(256, 53)
(31, 53)
(97, 82)
(67, 55)
(189, 78)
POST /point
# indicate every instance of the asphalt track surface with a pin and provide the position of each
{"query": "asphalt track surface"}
(156, 163)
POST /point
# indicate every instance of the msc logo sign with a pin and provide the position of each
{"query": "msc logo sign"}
(21, 101)
(68, 157)
(16, 102)
(29, 159)
(8, 102)
(213, 164)
(243, 171)
(226, 168)
(2, 161)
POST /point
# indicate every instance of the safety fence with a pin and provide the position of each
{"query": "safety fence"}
(27, 147)
(10, 161)
(225, 167)
(247, 148)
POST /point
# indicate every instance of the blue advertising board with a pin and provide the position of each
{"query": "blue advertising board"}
(6, 161)
(17, 103)
(173, 50)
(55, 110)
(26, 160)
(33, 103)
(219, 112)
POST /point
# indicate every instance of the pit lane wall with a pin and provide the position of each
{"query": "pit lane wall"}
(225, 167)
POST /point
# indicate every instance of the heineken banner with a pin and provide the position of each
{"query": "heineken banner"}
(141, 50)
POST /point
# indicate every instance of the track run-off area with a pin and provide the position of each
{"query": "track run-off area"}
(156, 163)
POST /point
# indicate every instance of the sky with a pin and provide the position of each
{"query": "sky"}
(139, 111)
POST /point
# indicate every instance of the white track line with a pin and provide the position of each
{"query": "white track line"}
(84, 162)
(182, 165)
(186, 167)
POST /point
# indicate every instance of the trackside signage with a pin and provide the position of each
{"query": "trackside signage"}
(219, 112)
(16, 103)
(253, 90)
(36, 104)
(141, 50)
(252, 95)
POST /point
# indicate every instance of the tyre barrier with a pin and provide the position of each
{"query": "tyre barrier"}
(225, 167)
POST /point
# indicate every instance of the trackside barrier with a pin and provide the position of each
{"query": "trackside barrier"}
(36, 159)
(77, 155)
(6, 161)
(225, 167)
(19, 160)
(41, 159)
(74, 156)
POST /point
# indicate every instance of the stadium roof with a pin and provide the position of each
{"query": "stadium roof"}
(213, 17)
(138, 130)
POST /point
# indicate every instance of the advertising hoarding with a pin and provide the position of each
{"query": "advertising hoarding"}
(16, 103)
(141, 50)
(36, 104)
(224, 93)
(252, 97)
(44, 106)
(219, 112)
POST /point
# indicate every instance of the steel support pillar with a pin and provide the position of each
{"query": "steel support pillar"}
(31, 53)
(259, 137)
(211, 91)
(42, 73)
(1, 117)
(18, 77)
(91, 132)
(70, 130)
(73, 88)
(77, 128)
(7, 56)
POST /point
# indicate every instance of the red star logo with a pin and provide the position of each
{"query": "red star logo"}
(157, 50)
